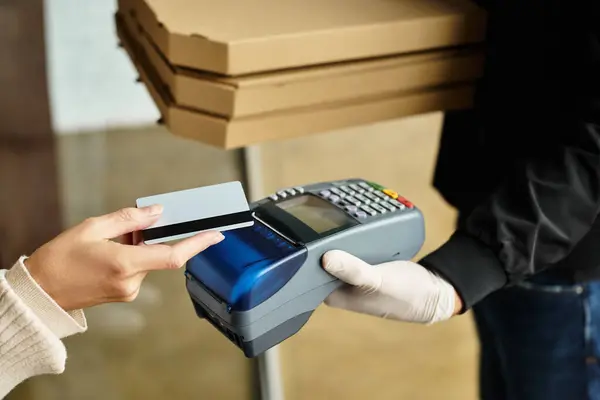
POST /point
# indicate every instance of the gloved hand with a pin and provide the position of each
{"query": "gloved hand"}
(400, 290)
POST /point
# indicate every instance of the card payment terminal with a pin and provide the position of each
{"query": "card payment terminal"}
(261, 284)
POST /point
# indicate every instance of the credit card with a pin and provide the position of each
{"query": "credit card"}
(187, 212)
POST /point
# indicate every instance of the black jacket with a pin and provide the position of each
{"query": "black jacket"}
(523, 166)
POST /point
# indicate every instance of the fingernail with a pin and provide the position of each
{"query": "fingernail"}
(155, 209)
(218, 237)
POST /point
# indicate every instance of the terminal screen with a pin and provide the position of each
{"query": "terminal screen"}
(320, 215)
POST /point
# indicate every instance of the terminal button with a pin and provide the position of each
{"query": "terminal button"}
(369, 210)
(388, 206)
(357, 188)
(338, 192)
(365, 186)
(376, 186)
(351, 209)
(381, 195)
(325, 193)
(352, 200)
(334, 199)
(361, 214)
(348, 190)
(379, 208)
(397, 204)
(372, 197)
(274, 197)
(405, 202)
(282, 194)
(391, 193)
(362, 199)
(299, 189)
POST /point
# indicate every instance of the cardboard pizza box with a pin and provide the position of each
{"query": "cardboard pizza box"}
(229, 133)
(302, 87)
(232, 37)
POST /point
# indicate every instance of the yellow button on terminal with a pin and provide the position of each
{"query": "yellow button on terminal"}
(391, 193)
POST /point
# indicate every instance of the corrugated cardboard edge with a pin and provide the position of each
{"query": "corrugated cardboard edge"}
(338, 83)
(214, 133)
(211, 96)
(248, 57)
(215, 56)
(304, 73)
(328, 120)
(249, 131)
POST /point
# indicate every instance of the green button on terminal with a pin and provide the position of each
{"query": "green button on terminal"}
(376, 186)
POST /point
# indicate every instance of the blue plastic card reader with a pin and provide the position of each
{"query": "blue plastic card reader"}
(261, 284)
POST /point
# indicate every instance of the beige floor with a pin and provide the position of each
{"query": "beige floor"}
(155, 348)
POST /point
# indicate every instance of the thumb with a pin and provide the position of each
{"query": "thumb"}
(124, 221)
(352, 270)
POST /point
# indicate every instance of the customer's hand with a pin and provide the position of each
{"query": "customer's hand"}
(83, 267)
(400, 290)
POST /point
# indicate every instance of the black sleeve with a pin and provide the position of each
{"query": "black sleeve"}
(538, 215)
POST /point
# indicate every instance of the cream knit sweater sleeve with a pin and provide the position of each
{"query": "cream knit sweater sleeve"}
(31, 328)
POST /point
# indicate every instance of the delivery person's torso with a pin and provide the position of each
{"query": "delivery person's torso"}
(538, 66)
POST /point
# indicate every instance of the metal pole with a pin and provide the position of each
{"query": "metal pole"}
(269, 368)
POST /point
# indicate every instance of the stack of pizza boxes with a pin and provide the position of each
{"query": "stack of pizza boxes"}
(234, 73)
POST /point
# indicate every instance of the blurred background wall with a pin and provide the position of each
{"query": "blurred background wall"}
(91, 81)
(108, 151)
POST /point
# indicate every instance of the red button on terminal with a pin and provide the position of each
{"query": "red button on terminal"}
(405, 202)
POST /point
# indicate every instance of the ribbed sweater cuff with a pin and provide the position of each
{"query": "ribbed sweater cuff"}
(27, 346)
(60, 322)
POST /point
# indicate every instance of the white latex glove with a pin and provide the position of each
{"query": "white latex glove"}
(400, 290)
